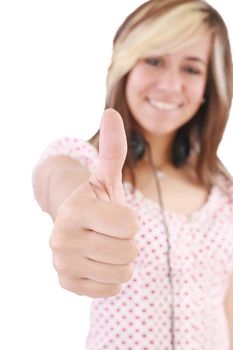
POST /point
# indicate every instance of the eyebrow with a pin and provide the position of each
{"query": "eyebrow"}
(196, 59)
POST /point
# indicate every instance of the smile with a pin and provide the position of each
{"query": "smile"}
(164, 106)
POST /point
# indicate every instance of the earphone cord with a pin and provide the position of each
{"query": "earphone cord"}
(158, 186)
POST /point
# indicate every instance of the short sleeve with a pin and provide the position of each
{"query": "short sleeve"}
(228, 185)
(75, 148)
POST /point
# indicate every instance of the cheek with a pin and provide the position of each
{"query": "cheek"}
(133, 83)
(131, 90)
(196, 92)
(138, 79)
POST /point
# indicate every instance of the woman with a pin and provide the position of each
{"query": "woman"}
(156, 250)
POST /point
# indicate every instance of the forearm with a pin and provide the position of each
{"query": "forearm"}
(229, 310)
(230, 326)
(55, 179)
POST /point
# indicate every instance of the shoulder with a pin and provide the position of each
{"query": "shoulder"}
(225, 183)
(76, 148)
(224, 199)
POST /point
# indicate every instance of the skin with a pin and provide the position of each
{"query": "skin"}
(93, 236)
(92, 240)
(178, 78)
(179, 81)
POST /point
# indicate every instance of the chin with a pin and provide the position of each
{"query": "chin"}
(161, 130)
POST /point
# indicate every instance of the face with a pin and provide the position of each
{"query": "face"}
(163, 93)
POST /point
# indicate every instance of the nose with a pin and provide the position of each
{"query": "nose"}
(170, 80)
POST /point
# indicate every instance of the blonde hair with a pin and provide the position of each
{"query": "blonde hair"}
(173, 26)
(160, 27)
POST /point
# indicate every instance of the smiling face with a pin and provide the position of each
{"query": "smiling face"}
(163, 93)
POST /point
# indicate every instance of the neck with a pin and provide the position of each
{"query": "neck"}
(160, 146)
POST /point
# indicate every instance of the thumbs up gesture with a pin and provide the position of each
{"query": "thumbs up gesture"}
(93, 236)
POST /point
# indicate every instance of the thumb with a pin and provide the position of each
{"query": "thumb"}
(112, 154)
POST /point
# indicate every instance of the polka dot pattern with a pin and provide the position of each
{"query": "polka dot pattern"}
(139, 318)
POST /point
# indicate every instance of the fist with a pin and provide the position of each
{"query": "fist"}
(92, 240)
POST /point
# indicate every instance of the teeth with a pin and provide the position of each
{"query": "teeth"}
(164, 105)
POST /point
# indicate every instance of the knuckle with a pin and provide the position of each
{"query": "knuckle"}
(69, 265)
(127, 273)
(132, 222)
(70, 285)
(114, 290)
(70, 214)
(131, 251)
(56, 263)
(59, 264)
(56, 245)
(134, 250)
(64, 212)
(52, 242)
(64, 282)
(94, 289)
(56, 242)
(109, 291)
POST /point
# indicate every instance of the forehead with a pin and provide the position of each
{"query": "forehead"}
(201, 49)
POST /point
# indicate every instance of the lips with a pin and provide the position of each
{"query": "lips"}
(164, 106)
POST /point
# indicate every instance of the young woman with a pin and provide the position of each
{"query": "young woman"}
(143, 213)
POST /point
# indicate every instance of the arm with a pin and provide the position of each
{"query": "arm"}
(55, 179)
(92, 240)
(229, 309)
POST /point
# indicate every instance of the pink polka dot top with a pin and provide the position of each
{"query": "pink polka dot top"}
(201, 253)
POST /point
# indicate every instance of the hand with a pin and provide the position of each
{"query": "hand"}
(93, 236)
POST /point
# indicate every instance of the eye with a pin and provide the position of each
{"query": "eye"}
(192, 70)
(154, 61)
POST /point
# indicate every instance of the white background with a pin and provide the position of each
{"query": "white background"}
(53, 61)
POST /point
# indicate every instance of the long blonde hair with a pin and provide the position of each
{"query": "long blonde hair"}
(164, 26)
